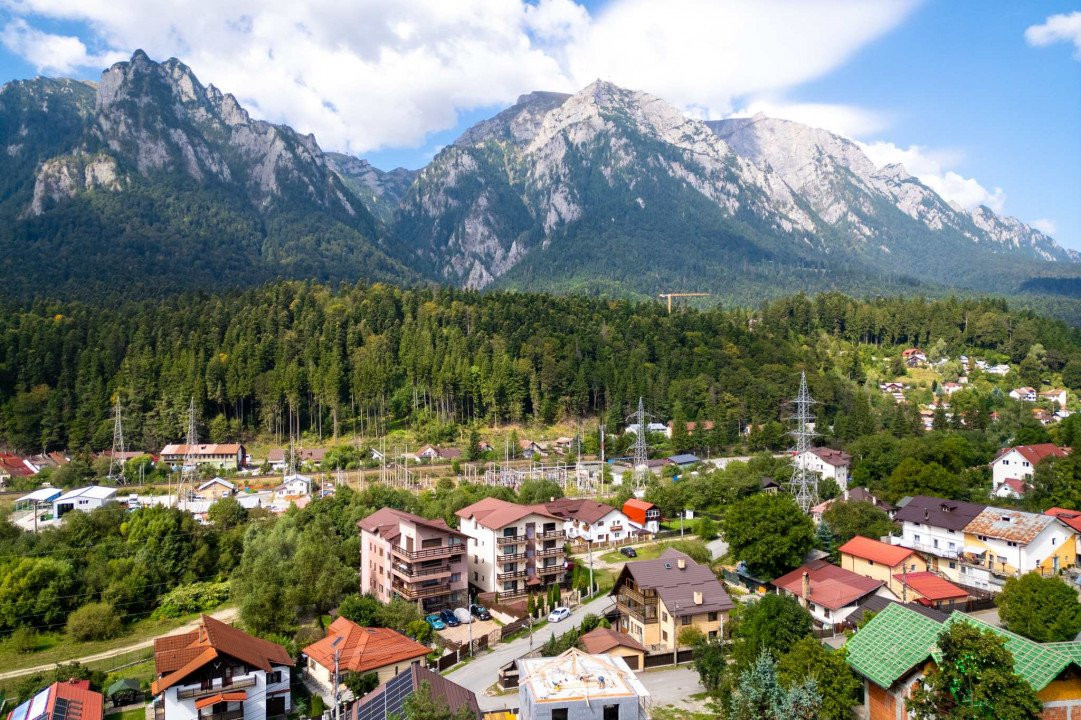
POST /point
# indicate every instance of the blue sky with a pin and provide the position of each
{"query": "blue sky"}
(954, 90)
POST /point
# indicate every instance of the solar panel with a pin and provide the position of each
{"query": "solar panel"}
(391, 700)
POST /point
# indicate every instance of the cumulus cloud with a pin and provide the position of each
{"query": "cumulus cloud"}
(931, 167)
(49, 52)
(1046, 226)
(847, 120)
(1064, 27)
(385, 73)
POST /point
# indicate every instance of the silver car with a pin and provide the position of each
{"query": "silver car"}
(463, 615)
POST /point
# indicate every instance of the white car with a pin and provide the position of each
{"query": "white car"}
(463, 615)
(560, 613)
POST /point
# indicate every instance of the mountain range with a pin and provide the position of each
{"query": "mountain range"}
(148, 181)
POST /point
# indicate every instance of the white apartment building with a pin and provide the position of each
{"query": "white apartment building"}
(828, 463)
(936, 528)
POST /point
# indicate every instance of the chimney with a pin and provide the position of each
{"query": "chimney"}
(806, 588)
(697, 597)
(681, 564)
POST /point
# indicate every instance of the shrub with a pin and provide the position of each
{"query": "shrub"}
(317, 706)
(24, 640)
(192, 598)
(94, 621)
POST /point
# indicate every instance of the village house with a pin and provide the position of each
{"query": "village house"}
(828, 463)
(86, 499)
(589, 521)
(772, 487)
(643, 515)
(530, 449)
(657, 598)
(927, 588)
(951, 387)
(512, 548)
(1013, 466)
(60, 701)
(219, 672)
(227, 456)
(279, 457)
(829, 593)
(1025, 394)
(893, 651)
(1042, 416)
(692, 426)
(13, 466)
(563, 444)
(1011, 542)
(294, 486)
(684, 460)
(605, 641)
(856, 494)
(579, 686)
(432, 453)
(881, 561)
(416, 559)
(216, 489)
(653, 427)
(1072, 519)
(387, 701)
(1055, 396)
(914, 357)
(363, 650)
(936, 529)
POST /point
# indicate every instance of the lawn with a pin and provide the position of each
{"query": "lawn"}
(133, 714)
(645, 552)
(138, 665)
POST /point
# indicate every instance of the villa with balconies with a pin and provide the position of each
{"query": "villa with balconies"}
(512, 548)
(416, 559)
(217, 672)
(588, 521)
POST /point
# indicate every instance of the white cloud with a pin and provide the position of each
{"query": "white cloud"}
(1064, 27)
(930, 166)
(1046, 226)
(48, 52)
(385, 73)
(847, 120)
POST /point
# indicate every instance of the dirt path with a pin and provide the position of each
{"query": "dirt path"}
(226, 615)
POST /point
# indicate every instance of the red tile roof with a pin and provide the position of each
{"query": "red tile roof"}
(385, 522)
(177, 656)
(14, 466)
(879, 552)
(831, 587)
(1035, 453)
(931, 586)
(1070, 517)
(837, 458)
(83, 703)
(494, 513)
(363, 648)
(587, 511)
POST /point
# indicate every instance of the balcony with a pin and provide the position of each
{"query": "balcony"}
(550, 552)
(430, 553)
(550, 569)
(929, 549)
(509, 558)
(419, 571)
(646, 614)
(416, 592)
(228, 715)
(552, 535)
(510, 540)
(511, 575)
(648, 597)
(217, 686)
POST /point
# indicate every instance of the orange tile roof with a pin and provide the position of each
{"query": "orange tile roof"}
(1070, 517)
(494, 513)
(880, 552)
(363, 648)
(931, 586)
(235, 696)
(1035, 453)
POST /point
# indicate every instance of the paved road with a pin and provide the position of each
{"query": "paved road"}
(226, 615)
(483, 671)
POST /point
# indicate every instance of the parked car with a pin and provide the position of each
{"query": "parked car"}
(448, 617)
(463, 615)
(629, 552)
(480, 612)
(435, 621)
(560, 613)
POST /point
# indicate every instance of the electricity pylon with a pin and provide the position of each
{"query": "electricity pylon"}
(116, 460)
(804, 483)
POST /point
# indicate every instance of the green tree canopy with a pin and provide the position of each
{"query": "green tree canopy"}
(1044, 609)
(837, 685)
(847, 519)
(774, 624)
(768, 532)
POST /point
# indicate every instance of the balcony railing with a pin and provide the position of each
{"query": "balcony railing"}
(552, 534)
(638, 596)
(416, 592)
(510, 575)
(229, 715)
(231, 684)
(646, 614)
(508, 558)
(420, 571)
(930, 549)
(430, 553)
(550, 569)
(510, 539)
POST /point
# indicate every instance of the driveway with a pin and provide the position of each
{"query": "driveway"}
(460, 634)
(483, 671)
(673, 686)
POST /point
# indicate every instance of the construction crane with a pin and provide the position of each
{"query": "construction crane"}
(674, 295)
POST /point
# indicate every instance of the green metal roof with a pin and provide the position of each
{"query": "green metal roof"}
(1037, 663)
(898, 639)
(895, 641)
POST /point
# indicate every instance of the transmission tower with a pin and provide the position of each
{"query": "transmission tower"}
(190, 473)
(641, 447)
(116, 461)
(804, 483)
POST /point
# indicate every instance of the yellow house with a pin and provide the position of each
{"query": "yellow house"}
(658, 599)
(881, 561)
(1011, 542)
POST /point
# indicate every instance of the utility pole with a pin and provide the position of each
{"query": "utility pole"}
(589, 544)
(804, 483)
(337, 680)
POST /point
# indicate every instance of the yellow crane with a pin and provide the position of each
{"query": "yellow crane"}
(674, 295)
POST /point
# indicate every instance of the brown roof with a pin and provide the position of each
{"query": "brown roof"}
(384, 522)
(948, 514)
(879, 552)
(862, 494)
(837, 458)
(675, 586)
(831, 586)
(363, 648)
(588, 511)
(1012, 525)
(494, 513)
(315, 455)
(601, 640)
(177, 656)
(453, 694)
(13, 465)
(206, 449)
(1035, 453)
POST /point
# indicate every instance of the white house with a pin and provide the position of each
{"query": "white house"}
(578, 686)
(1055, 396)
(1002, 369)
(653, 427)
(217, 671)
(1013, 466)
(85, 499)
(294, 486)
(828, 463)
(590, 521)
(512, 548)
(1011, 542)
(936, 528)
(1027, 394)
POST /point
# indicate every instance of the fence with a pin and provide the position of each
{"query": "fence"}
(508, 674)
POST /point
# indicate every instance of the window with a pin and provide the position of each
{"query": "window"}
(685, 620)
(870, 562)
(953, 565)
(455, 577)
(711, 617)
(559, 713)
(664, 616)
(826, 612)
(611, 712)
(712, 634)
(1001, 560)
(664, 635)
(274, 678)
(916, 538)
